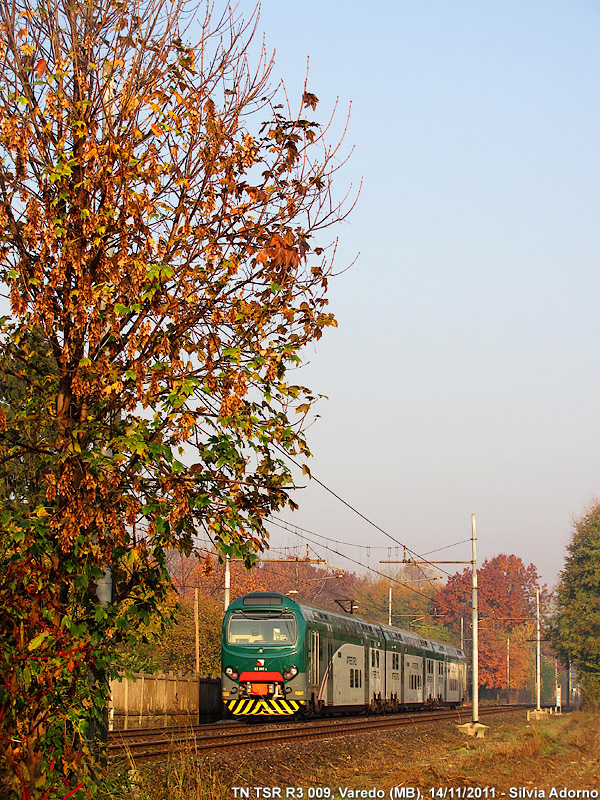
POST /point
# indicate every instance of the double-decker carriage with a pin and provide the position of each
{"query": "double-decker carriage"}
(283, 658)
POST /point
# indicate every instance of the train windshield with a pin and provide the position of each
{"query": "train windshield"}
(262, 630)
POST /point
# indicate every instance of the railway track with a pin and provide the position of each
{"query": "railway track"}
(153, 744)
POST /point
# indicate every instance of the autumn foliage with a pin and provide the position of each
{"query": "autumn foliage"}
(158, 215)
(506, 600)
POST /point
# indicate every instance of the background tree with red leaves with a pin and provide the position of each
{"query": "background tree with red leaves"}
(506, 600)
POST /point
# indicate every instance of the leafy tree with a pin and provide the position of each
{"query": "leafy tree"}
(175, 648)
(20, 464)
(158, 210)
(412, 607)
(575, 626)
(506, 601)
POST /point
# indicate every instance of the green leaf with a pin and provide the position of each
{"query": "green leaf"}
(35, 643)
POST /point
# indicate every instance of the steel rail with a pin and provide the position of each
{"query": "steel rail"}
(210, 741)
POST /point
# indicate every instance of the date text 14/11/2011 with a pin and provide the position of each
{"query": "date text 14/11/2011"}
(514, 793)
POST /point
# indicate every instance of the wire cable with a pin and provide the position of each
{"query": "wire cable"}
(352, 508)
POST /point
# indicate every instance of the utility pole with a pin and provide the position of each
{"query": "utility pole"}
(538, 654)
(475, 620)
(197, 631)
(104, 586)
(390, 607)
(508, 670)
(227, 581)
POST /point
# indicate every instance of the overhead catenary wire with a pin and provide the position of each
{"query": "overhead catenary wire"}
(351, 507)
(349, 558)
(281, 522)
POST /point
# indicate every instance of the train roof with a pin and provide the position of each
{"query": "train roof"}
(346, 622)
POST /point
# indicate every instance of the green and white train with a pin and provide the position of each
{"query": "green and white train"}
(282, 658)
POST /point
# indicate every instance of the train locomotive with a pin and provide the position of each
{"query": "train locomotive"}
(283, 658)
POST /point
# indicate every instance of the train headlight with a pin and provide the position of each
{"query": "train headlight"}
(229, 671)
(294, 671)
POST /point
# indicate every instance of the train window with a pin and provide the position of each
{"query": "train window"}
(263, 600)
(429, 666)
(377, 657)
(351, 678)
(271, 630)
(359, 671)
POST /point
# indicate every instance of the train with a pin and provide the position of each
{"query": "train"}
(281, 658)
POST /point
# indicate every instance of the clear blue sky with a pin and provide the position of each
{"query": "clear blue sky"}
(463, 376)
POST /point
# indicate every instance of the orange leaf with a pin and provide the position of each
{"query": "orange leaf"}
(41, 67)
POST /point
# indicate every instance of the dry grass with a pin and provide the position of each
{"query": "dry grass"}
(555, 752)
(184, 778)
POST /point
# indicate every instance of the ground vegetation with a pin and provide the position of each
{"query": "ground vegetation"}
(561, 752)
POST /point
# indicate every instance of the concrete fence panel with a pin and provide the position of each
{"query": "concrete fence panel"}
(162, 700)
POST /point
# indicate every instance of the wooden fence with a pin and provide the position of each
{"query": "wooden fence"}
(159, 700)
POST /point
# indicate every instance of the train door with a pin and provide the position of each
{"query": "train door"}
(429, 679)
(393, 689)
(329, 692)
(314, 663)
(413, 679)
(321, 677)
(452, 683)
(440, 689)
(376, 673)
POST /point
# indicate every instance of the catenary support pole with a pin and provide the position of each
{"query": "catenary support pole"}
(227, 581)
(390, 607)
(196, 628)
(538, 654)
(508, 670)
(475, 670)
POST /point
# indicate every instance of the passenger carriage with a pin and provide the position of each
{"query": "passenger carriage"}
(282, 658)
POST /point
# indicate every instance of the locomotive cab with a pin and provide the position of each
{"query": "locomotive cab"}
(262, 671)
